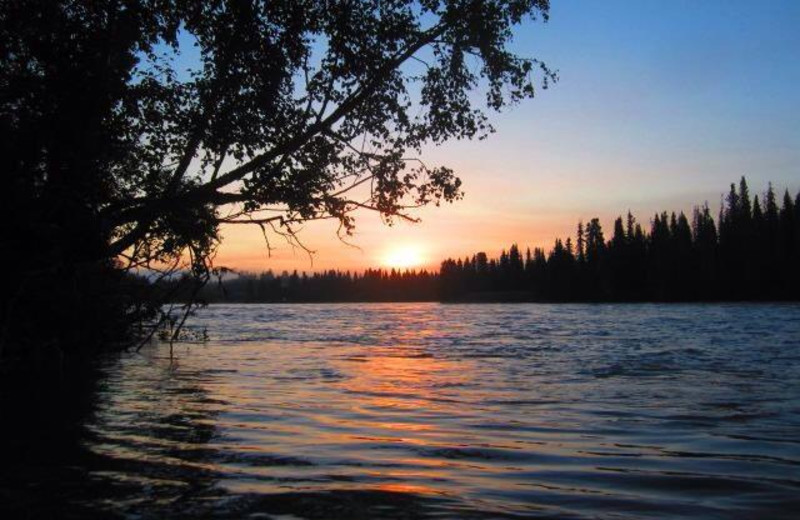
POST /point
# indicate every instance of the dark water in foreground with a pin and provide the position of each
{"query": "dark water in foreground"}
(459, 411)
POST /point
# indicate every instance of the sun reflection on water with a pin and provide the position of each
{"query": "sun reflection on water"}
(491, 410)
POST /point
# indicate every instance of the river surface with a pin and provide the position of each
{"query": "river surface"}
(447, 411)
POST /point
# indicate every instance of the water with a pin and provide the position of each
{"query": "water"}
(451, 411)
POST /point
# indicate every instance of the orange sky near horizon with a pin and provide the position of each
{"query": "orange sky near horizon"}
(491, 217)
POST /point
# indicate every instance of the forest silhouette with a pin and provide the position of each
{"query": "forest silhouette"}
(750, 252)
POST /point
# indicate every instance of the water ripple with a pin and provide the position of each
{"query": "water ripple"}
(460, 411)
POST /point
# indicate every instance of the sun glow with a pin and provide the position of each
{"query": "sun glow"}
(404, 257)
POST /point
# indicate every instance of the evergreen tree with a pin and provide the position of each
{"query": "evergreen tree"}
(704, 234)
(595, 249)
(682, 275)
(745, 209)
(618, 264)
(629, 227)
(790, 242)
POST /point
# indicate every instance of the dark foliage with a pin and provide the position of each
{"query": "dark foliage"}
(751, 254)
(132, 129)
(373, 285)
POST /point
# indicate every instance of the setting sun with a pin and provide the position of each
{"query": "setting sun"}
(404, 257)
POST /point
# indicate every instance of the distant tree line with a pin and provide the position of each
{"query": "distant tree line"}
(751, 252)
(373, 285)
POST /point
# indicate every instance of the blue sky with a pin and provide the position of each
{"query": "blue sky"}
(684, 96)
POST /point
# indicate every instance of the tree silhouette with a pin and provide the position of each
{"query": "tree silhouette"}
(123, 152)
(751, 254)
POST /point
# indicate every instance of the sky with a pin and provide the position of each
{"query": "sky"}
(660, 105)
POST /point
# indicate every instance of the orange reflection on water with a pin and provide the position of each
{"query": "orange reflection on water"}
(407, 379)
(403, 393)
(396, 487)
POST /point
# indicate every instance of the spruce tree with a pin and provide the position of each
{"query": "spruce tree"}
(745, 209)
(581, 243)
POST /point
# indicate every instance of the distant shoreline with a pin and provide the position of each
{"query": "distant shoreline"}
(491, 302)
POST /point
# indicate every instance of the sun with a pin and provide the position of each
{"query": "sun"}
(404, 257)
